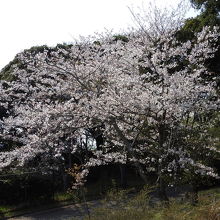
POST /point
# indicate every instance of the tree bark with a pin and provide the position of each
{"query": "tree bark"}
(129, 148)
(123, 176)
(64, 178)
(194, 195)
(162, 191)
(162, 185)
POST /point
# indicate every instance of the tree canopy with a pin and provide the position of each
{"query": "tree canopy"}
(145, 93)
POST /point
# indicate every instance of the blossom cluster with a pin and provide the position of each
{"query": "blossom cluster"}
(140, 92)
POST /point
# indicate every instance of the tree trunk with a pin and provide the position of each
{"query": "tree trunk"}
(123, 176)
(64, 179)
(162, 191)
(129, 147)
(162, 185)
(194, 195)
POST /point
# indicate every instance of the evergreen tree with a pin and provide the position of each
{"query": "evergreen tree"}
(209, 16)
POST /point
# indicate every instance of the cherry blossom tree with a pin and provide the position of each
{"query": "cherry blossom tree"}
(144, 96)
(148, 103)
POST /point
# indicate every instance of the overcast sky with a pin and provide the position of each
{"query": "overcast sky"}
(27, 23)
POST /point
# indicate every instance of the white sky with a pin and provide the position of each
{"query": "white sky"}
(27, 23)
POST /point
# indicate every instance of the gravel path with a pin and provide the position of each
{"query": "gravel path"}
(61, 213)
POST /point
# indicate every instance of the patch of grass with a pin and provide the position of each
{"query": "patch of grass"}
(5, 208)
(213, 192)
(120, 205)
(60, 199)
(128, 204)
(62, 196)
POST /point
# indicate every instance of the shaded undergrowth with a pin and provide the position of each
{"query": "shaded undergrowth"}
(121, 205)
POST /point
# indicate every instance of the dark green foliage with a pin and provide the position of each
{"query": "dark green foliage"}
(63, 46)
(206, 4)
(37, 49)
(209, 16)
(21, 188)
(97, 42)
(5, 73)
(121, 38)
